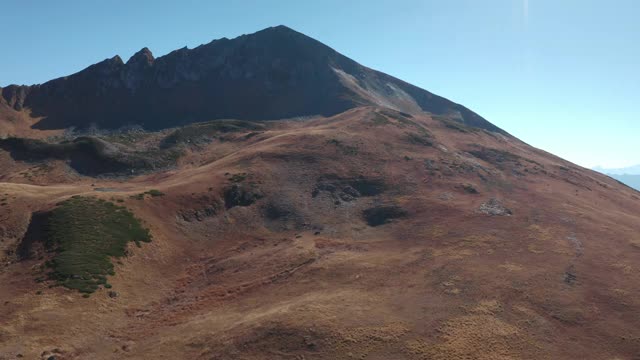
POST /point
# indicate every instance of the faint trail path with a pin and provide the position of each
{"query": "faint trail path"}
(52, 191)
(570, 277)
(38, 191)
(577, 244)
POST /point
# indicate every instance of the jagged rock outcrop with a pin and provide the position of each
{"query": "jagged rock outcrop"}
(15, 95)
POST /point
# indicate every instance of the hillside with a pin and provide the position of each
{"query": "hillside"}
(379, 230)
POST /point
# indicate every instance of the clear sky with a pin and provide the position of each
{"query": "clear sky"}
(562, 75)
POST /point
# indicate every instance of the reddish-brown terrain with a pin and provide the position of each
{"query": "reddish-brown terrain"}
(491, 249)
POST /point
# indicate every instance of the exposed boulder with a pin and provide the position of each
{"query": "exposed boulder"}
(494, 207)
(200, 214)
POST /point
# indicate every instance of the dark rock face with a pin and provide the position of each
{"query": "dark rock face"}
(276, 211)
(348, 189)
(272, 74)
(90, 155)
(381, 215)
(239, 195)
(15, 95)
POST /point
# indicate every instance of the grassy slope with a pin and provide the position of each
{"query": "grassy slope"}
(444, 282)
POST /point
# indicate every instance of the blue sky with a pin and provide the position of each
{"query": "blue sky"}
(563, 76)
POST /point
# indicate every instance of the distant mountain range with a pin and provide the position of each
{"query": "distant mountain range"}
(629, 175)
(631, 180)
(631, 170)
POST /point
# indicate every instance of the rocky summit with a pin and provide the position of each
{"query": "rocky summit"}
(273, 74)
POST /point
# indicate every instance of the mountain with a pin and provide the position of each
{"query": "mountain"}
(631, 180)
(629, 175)
(631, 170)
(394, 225)
(272, 74)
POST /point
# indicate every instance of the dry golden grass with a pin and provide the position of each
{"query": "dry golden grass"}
(292, 276)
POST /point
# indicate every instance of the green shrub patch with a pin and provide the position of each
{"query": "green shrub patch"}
(85, 234)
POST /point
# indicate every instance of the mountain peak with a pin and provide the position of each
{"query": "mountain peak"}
(274, 73)
(116, 60)
(282, 33)
(279, 28)
(144, 56)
